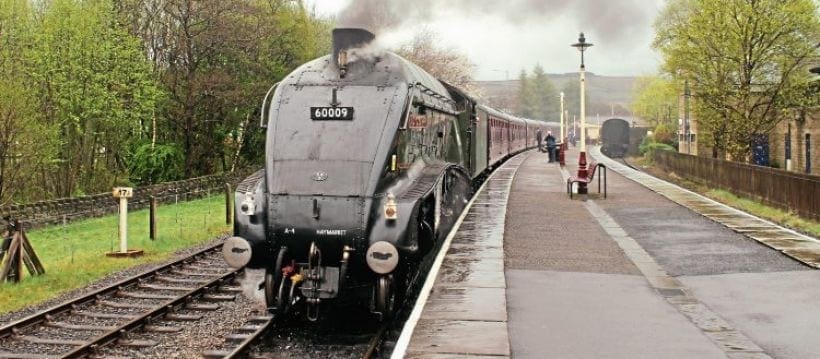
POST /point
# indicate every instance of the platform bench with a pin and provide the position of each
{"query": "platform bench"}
(592, 168)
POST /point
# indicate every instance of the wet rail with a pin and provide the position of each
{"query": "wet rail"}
(109, 316)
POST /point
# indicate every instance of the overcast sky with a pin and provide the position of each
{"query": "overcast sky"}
(504, 36)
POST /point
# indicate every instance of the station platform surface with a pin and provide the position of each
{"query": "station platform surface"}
(648, 272)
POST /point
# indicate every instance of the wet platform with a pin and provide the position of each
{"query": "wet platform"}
(465, 312)
(651, 271)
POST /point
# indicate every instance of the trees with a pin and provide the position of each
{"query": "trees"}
(445, 64)
(95, 93)
(655, 99)
(546, 98)
(526, 96)
(745, 60)
(95, 87)
(537, 97)
(216, 59)
(26, 143)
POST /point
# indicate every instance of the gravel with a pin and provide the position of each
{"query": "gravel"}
(108, 280)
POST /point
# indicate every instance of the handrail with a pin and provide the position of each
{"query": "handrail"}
(262, 123)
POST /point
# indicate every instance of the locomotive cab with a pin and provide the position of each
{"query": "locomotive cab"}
(363, 164)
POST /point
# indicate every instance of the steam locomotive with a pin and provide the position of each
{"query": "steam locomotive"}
(369, 161)
(615, 137)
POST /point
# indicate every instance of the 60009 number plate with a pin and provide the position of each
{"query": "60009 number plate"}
(331, 113)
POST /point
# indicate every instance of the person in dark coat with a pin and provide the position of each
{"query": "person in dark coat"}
(551, 146)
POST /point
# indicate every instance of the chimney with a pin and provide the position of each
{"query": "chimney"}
(345, 39)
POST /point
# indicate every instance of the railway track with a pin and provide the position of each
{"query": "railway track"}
(247, 341)
(155, 301)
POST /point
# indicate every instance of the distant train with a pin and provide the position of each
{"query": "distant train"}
(369, 161)
(615, 137)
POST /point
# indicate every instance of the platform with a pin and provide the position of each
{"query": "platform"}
(530, 273)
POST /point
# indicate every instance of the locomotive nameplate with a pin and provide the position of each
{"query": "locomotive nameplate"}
(331, 113)
(416, 122)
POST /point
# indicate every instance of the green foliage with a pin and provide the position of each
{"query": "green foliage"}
(745, 59)
(154, 163)
(27, 143)
(95, 88)
(85, 84)
(665, 133)
(648, 146)
(537, 97)
(655, 99)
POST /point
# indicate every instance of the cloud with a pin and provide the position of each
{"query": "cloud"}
(610, 21)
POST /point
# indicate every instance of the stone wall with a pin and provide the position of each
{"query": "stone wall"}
(39, 214)
(799, 129)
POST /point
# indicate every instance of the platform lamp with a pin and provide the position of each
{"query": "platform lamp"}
(562, 118)
(582, 45)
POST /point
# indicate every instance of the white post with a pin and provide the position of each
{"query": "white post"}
(123, 225)
(583, 113)
(123, 194)
(562, 117)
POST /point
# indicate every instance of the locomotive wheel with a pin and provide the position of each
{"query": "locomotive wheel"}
(385, 296)
(273, 282)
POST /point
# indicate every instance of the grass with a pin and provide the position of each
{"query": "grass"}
(74, 255)
(782, 217)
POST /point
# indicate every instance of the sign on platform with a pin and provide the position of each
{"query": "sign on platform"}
(123, 192)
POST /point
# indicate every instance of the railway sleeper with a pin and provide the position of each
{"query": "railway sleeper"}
(249, 328)
(48, 341)
(97, 315)
(182, 317)
(162, 329)
(137, 295)
(236, 338)
(63, 325)
(216, 271)
(168, 279)
(215, 354)
(211, 297)
(230, 289)
(137, 343)
(119, 305)
(26, 356)
(202, 306)
(193, 274)
(168, 288)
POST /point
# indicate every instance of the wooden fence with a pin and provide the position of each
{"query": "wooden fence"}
(792, 191)
(44, 213)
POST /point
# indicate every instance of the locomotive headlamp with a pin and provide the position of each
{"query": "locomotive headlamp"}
(391, 210)
(247, 207)
(382, 257)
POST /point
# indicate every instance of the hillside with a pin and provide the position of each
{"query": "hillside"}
(605, 92)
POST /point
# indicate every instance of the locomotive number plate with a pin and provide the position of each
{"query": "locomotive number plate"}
(331, 113)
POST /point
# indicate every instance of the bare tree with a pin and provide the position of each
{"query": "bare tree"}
(446, 64)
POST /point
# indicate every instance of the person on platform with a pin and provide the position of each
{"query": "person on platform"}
(551, 146)
(540, 138)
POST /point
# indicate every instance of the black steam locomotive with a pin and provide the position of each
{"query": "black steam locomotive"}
(369, 161)
(615, 137)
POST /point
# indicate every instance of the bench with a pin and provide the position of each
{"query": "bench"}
(592, 168)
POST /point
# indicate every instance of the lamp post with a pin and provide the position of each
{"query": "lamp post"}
(562, 117)
(686, 94)
(582, 45)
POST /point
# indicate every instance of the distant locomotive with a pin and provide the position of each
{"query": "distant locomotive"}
(615, 137)
(369, 161)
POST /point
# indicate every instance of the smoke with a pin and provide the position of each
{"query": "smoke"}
(610, 21)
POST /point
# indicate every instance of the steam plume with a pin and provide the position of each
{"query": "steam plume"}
(611, 21)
